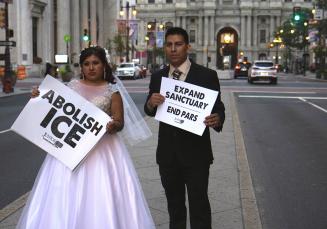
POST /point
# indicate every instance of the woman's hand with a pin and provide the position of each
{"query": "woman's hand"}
(35, 92)
(114, 126)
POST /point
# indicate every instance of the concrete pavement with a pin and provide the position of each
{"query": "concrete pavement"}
(230, 187)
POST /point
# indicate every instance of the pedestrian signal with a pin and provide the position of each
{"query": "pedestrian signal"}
(2, 18)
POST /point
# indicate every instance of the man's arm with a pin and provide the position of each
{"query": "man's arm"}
(217, 118)
(153, 99)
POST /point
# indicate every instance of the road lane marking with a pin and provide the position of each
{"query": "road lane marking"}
(312, 104)
(279, 97)
(4, 131)
(303, 99)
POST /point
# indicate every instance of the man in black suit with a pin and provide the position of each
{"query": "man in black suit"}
(184, 158)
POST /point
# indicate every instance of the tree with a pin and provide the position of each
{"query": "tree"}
(321, 49)
(119, 45)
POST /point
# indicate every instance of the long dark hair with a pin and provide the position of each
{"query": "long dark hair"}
(101, 54)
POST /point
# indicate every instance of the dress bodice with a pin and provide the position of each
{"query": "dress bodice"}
(98, 95)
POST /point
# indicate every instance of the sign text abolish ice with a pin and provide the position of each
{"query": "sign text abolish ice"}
(61, 122)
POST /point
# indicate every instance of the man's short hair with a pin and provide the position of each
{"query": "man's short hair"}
(177, 31)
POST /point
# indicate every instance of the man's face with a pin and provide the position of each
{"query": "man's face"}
(176, 49)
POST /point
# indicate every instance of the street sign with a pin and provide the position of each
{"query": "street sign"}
(319, 14)
(8, 43)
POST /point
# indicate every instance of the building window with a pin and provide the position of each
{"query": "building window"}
(169, 1)
(151, 1)
(288, 0)
(262, 37)
(192, 36)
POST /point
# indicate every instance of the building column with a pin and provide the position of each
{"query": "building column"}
(206, 31)
(101, 40)
(178, 21)
(249, 31)
(272, 27)
(85, 20)
(212, 30)
(184, 22)
(278, 21)
(243, 31)
(255, 31)
(200, 30)
(76, 32)
(47, 28)
(24, 39)
(93, 24)
(63, 26)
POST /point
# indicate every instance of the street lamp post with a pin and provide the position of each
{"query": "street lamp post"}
(127, 7)
(277, 41)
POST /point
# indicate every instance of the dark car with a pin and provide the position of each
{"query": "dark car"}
(241, 69)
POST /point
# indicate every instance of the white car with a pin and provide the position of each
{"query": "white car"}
(263, 70)
(128, 70)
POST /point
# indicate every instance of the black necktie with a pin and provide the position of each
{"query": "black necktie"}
(176, 74)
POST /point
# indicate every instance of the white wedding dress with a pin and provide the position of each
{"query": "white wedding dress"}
(102, 193)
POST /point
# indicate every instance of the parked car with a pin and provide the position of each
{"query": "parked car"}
(128, 70)
(263, 70)
(241, 69)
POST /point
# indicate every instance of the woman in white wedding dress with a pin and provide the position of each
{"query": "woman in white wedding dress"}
(104, 191)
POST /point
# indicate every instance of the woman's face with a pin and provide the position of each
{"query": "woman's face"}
(93, 69)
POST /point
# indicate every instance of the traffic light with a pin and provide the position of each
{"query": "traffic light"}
(86, 36)
(297, 14)
(2, 18)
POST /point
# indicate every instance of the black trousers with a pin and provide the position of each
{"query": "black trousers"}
(175, 178)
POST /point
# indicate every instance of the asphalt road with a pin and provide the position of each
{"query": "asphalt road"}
(286, 145)
(20, 161)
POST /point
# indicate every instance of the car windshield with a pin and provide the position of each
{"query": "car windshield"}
(264, 64)
(126, 66)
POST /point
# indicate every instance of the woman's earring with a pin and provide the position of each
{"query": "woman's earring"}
(104, 74)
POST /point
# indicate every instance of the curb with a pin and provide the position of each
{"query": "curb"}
(250, 212)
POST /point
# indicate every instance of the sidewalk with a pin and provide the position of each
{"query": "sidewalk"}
(230, 188)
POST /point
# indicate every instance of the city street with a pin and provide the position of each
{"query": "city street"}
(284, 131)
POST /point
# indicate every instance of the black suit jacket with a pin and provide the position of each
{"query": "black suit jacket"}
(177, 144)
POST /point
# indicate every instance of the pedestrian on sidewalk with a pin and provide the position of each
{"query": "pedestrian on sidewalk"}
(184, 158)
(104, 192)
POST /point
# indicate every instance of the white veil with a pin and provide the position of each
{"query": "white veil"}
(135, 128)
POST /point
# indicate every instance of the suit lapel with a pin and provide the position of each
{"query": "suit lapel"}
(191, 76)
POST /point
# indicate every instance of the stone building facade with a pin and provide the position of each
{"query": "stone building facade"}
(40, 27)
(221, 31)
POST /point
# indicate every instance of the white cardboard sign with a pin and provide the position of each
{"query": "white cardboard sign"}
(61, 122)
(186, 105)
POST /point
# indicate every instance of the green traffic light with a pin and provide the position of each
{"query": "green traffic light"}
(297, 17)
(85, 38)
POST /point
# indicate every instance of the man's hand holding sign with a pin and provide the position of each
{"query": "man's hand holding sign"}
(185, 105)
